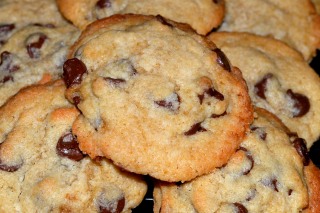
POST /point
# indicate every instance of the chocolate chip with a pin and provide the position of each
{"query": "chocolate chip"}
(240, 208)
(251, 195)
(300, 145)
(76, 100)
(212, 93)
(260, 131)
(73, 69)
(6, 63)
(6, 78)
(217, 116)
(115, 81)
(44, 25)
(261, 86)
(249, 156)
(290, 192)
(7, 168)
(271, 183)
(301, 103)
(163, 21)
(68, 147)
(34, 44)
(103, 4)
(5, 29)
(222, 60)
(171, 103)
(194, 129)
(274, 184)
(112, 207)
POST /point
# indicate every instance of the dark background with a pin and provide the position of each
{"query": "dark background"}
(147, 205)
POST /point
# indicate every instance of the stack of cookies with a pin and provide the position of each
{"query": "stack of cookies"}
(210, 105)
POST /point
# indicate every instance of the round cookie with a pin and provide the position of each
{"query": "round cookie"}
(42, 168)
(15, 14)
(155, 97)
(293, 22)
(266, 174)
(278, 78)
(203, 16)
(34, 53)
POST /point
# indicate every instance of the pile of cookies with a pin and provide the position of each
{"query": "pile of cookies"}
(213, 101)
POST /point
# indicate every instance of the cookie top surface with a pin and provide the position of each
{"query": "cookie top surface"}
(42, 168)
(266, 174)
(294, 22)
(148, 89)
(15, 14)
(34, 53)
(278, 78)
(201, 15)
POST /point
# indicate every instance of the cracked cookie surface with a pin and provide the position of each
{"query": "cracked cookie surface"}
(278, 78)
(201, 15)
(42, 168)
(155, 97)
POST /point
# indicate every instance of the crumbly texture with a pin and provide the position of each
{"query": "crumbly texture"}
(266, 174)
(20, 13)
(33, 54)
(278, 78)
(203, 16)
(156, 97)
(42, 168)
(294, 22)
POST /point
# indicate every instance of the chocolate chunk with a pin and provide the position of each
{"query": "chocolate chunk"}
(33, 47)
(300, 145)
(240, 208)
(171, 103)
(7, 62)
(217, 116)
(103, 4)
(5, 29)
(112, 207)
(222, 60)
(163, 21)
(7, 168)
(73, 69)
(260, 131)
(6, 78)
(212, 93)
(301, 103)
(68, 147)
(194, 129)
(115, 81)
(261, 86)
(249, 156)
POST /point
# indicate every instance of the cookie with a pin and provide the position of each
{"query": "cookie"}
(317, 5)
(278, 78)
(203, 16)
(42, 168)
(266, 174)
(15, 14)
(155, 97)
(33, 54)
(293, 22)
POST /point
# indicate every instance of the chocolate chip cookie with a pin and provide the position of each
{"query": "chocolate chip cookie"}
(294, 22)
(266, 174)
(42, 168)
(33, 54)
(15, 14)
(203, 15)
(278, 78)
(155, 97)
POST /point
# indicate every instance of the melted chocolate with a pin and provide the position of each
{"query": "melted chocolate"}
(222, 60)
(73, 69)
(68, 147)
(240, 208)
(261, 86)
(301, 103)
(103, 4)
(33, 48)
